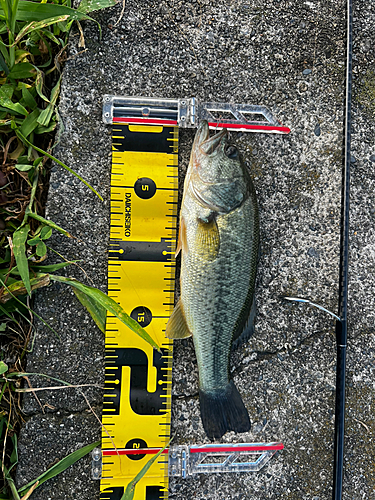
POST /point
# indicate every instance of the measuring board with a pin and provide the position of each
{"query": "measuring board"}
(141, 278)
(141, 275)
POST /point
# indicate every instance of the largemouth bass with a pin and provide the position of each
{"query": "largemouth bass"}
(219, 240)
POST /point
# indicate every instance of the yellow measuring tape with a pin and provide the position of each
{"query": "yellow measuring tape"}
(141, 276)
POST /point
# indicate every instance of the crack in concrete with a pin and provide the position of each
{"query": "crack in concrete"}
(287, 350)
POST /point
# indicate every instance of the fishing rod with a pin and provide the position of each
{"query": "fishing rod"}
(341, 324)
(341, 317)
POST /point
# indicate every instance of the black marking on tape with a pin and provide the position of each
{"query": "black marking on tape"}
(114, 493)
(146, 142)
(145, 251)
(142, 402)
(134, 444)
(142, 315)
(145, 188)
(154, 493)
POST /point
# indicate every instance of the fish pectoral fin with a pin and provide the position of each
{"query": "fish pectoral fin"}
(177, 327)
(182, 240)
(208, 239)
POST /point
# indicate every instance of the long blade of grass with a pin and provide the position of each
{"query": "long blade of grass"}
(48, 223)
(109, 304)
(23, 138)
(19, 250)
(51, 268)
(46, 114)
(18, 287)
(36, 11)
(39, 81)
(29, 123)
(61, 466)
(97, 312)
(29, 374)
(36, 25)
(27, 96)
(129, 492)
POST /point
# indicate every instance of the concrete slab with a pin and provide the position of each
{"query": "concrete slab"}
(289, 56)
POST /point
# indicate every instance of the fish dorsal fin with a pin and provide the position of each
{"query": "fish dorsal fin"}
(208, 239)
(177, 327)
(182, 240)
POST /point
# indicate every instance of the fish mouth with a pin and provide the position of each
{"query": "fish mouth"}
(206, 144)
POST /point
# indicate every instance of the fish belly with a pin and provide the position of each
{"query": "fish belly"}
(213, 292)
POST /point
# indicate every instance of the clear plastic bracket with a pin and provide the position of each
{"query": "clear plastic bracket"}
(188, 112)
(184, 461)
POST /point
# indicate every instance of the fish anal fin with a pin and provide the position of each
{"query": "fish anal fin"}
(177, 327)
(208, 239)
(246, 327)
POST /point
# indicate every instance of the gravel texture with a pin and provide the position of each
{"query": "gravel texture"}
(289, 56)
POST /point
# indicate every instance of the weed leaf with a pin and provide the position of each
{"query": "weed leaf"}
(23, 138)
(19, 240)
(91, 5)
(30, 123)
(18, 287)
(41, 249)
(61, 466)
(39, 25)
(51, 268)
(23, 168)
(50, 223)
(109, 304)
(27, 96)
(98, 312)
(6, 92)
(35, 11)
(46, 233)
(22, 70)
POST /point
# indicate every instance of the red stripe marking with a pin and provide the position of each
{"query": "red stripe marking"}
(202, 449)
(152, 121)
(268, 128)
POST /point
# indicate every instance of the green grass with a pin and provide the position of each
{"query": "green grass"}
(33, 39)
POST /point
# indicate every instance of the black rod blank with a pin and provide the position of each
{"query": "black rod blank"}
(341, 325)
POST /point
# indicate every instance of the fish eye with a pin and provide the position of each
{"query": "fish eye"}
(231, 152)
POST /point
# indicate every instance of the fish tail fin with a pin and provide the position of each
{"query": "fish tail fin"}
(223, 411)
